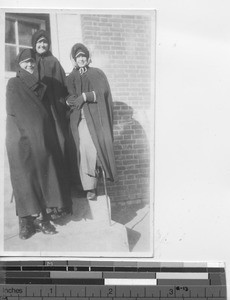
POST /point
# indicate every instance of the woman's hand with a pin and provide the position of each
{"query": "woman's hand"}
(75, 102)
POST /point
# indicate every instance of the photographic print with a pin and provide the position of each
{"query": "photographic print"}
(79, 132)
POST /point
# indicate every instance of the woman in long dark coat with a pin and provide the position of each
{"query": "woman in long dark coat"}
(91, 120)
(51, 73)
(32, 150)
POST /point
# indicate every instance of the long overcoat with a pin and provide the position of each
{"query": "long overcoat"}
(51, 73)
(99, 116)
(35, 163)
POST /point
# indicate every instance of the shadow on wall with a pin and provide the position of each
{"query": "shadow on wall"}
(132, 155)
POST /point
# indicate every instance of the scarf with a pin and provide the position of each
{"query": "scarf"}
(31, 82)
(82, 70)
(29, 79)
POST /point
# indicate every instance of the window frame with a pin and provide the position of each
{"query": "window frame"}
(17, 18)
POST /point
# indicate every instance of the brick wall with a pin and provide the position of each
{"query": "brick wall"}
(121, 46)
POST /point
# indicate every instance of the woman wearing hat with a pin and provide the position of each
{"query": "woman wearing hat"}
(31, 148)
(91, 120)
(51, 73)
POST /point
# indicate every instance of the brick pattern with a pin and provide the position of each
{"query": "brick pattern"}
(124, 43)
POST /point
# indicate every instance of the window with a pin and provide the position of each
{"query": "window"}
(18, 33)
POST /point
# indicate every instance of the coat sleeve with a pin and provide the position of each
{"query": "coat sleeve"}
(58, 72)
(14, 129)
(59, 80)
(10, 96)
(70, 84)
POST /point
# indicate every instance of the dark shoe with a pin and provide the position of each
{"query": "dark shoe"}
(65, 211)
(54, 214)
(91, 195)
(44, 226)
(57, 213)
(26, 227)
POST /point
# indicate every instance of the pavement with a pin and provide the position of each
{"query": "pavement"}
(89, 231)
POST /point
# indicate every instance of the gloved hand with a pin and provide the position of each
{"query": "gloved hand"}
(75, 102)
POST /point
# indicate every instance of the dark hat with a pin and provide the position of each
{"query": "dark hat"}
(24, 55)
(42, 38)
(38, 36)
(78, 49)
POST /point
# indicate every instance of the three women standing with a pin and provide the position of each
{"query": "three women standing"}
(37, 132)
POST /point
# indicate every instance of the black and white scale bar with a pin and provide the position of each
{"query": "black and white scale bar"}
(163, 278)
(78, 291)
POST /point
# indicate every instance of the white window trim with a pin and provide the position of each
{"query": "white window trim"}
(63, 41)
(29, 19)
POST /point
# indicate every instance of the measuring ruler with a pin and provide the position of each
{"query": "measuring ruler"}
(68, 280)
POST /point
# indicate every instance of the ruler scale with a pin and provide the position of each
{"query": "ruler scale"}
(68, 280)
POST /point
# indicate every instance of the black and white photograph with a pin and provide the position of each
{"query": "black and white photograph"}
(79, 115)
